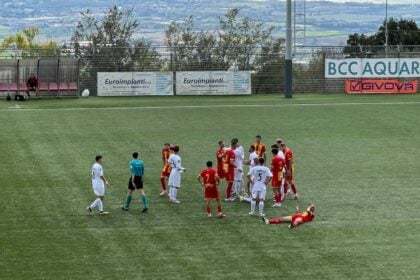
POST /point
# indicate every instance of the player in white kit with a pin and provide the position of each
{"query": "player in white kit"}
(239, 170)
(174, 181)
(98, 185)
(259, 176)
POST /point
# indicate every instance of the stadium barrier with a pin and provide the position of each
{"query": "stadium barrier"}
(70, 71)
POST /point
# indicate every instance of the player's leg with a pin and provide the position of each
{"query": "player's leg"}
(208, 208)
(286, 219)
(229, 190)
(219, 208)
(277, 196)
(101, 206)
(163, 177)
(294, 189)
(129, 195)
(254, 196)
(171, 193)
(174, 195)
(295, 222)
(261, 197)
(143, 197)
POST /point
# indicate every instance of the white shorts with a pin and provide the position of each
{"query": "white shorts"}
(174, 180)
(238, 175)
(258, 193)
(99, 189)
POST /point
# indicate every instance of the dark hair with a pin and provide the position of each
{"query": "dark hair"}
(258, 136)
(135, 155)
(98, 157)
(235, 139)
(274, 146)
(283, 145)
(275, 151)
(166, 144)
(220, 142)
(261, 160)
(279, 141)
(252, 147)
(175, 148)
(209, 163)
(233, 142)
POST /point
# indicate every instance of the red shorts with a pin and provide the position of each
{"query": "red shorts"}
(296, 216)
(211, 193)
(230, 175)
(165, 173)
(305, 218)
(221, 173)
(275, 184)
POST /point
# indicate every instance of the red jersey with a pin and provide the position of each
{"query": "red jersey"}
(288, 154)
(219, 156)
(210, 177)
(228, 169)
(166, 170)
(305, 215)
(259, 149)
(277, 164)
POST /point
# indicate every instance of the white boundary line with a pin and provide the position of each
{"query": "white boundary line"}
(214, 106)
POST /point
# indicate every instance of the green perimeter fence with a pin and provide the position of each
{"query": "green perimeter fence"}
(69, 71)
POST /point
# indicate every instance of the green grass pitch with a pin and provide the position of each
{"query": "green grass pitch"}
(357, 158)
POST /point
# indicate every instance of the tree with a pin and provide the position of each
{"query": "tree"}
(401, 32)
(269, 67)
(23, 43)
(107, 44)
(239, 39)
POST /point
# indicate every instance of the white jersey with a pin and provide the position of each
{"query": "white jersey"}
(281, 154)
(242, 151)
(260, 174)
(252, 157)
(175, 176)
(239, 160)
(97, 172)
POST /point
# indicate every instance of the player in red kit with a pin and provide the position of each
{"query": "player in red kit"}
(219, 155)
(288, 154)
(277, 165)
(229, 169)
(296, 219)
(260, 147)
(166, 170)
(209, 179)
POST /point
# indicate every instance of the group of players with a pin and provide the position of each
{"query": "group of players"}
(230, 167)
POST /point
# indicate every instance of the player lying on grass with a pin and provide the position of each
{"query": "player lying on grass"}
(296, 219)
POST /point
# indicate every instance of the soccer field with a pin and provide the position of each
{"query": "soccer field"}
(356, 157)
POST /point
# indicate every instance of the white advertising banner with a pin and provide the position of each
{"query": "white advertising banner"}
(213, 83)
(135, 83)
(372, 68)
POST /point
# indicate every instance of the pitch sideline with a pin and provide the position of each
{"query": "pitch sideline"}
(213, 106)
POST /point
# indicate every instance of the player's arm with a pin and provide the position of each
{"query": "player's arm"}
(104, 180)
(217, 180)
(179, 167)
(200, 180)
(250, 177)
(132, 176)
(268, 179)
(232, 162)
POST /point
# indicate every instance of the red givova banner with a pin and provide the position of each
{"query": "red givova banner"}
(378, 86)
